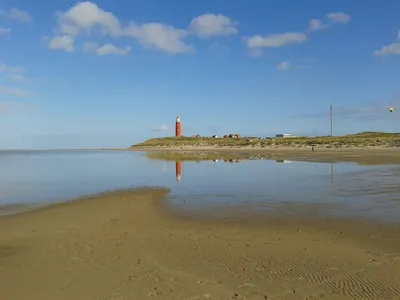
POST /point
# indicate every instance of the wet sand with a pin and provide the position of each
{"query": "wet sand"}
(128, 245)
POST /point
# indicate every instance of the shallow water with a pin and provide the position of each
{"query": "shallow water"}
(32, 178)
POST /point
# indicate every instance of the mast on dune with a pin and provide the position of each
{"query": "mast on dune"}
(330, 115)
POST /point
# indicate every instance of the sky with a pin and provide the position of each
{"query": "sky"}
(113, 73)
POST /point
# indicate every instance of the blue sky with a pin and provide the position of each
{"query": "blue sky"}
(112, 73)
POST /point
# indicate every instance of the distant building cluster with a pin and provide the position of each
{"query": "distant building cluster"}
(226, 136)
(178, 132)
(284, 135)
(232, 136)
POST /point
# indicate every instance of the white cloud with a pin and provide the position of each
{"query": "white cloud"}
(392, 49)
(90, 46)
(8, 70)
(4, 30)
(276, 40)
(338, 17)
(15, 74)
(18, 78)
(84, 17)
(107, 49)
(315, 25)
(161, 128)
(14, 91)
(257, 42)
(209, 25)
(284, 66)
(18, 15)
(111, 49)
(160, 37)
(217, 48)
(64, 42)
(15, 70)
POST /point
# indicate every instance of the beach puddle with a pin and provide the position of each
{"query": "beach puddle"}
(205, 185)
(237, 187)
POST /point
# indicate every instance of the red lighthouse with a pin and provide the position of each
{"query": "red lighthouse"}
(178, 130)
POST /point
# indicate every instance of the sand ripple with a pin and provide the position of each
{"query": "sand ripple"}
(124, 246)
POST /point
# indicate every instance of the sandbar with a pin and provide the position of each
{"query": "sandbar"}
(130, 245)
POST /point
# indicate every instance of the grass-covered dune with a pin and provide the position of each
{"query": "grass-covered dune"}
(364, 139)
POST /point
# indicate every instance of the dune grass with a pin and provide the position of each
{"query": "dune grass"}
(364, 139)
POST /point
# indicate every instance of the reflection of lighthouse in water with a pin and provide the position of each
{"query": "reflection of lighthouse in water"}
(178, 170)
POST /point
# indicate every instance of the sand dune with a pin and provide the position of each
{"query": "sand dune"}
(127, 245)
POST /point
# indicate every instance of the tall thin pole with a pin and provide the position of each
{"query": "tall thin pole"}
(330, 115)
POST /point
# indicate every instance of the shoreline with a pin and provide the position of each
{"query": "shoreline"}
(18, 208)
(127, 245)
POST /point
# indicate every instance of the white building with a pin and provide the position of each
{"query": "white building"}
(284, 135)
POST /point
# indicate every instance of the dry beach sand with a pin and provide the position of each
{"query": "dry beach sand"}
(128, 245)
